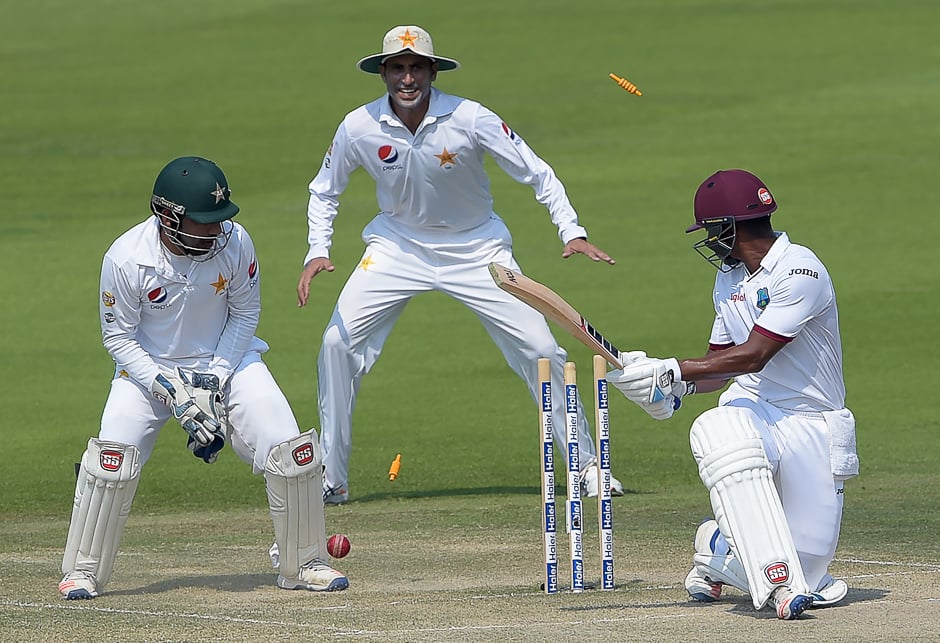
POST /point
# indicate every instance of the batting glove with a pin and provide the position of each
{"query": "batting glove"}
(661, 410)
(646, 380)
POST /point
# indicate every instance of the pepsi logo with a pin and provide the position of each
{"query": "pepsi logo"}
(388, 154)
(157, 295)
(764, 195)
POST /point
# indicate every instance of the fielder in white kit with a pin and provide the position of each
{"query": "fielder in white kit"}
(436, 231)
(776, 451)
(179, 306)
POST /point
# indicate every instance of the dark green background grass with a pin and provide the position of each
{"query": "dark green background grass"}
(834, 104)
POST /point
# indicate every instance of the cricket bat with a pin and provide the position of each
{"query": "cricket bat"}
(549, 303)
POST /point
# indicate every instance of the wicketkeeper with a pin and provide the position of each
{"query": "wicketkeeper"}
(776, 451)
(179, 306)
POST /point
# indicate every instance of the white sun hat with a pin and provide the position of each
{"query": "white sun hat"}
(404, 39)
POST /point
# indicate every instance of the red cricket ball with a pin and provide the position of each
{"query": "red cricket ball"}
(338, 545)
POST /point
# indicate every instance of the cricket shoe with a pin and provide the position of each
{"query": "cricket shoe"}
(790, 603)
(589, 484)
(335, 495)
(711, 560)
(830, 593)
(702, 588)
(315, 576)
(77, 586)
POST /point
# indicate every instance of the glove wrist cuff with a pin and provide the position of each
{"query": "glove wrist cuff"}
(672, 364)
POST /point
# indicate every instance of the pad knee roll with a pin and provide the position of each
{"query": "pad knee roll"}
(735, 470)
(293, 473)
(104, 492)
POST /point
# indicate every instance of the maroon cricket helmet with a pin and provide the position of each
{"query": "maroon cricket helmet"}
(731, 193)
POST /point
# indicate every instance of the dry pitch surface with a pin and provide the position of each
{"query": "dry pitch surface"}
(185, 578)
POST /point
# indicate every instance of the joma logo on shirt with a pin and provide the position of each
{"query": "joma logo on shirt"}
(804, 271)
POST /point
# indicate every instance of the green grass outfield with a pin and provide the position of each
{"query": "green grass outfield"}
(834, 104)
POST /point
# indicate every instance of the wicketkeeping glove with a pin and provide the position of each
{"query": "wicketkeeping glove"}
(208, 453)
(196, 404)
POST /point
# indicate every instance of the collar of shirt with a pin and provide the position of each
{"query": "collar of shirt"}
(776, 252)
(441, 104)
(150, 251)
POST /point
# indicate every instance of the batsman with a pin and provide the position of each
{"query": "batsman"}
(179, 306)
(776, 451)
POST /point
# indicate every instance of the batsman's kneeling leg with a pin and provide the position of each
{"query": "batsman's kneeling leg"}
(107, 481)
(735, 470)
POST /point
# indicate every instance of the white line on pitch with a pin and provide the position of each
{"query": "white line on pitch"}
(889, 563)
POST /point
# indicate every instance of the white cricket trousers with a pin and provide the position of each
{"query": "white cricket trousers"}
(260, 417)
(798, 448)
(395, 268)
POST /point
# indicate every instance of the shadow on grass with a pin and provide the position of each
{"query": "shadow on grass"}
(745, 608)
(228, 583)
(737, 604)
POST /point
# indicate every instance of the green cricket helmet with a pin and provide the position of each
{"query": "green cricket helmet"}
(196, 189)
(193, 187)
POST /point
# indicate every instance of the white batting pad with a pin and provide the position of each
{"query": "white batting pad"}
(294, 476)
(723, 569)
(107, 482)
(735, 470)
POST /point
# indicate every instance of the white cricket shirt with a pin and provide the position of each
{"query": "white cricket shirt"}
(430, 183)
(789, 299)
(162, 311)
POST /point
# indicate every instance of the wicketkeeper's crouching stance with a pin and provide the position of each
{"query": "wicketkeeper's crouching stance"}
(179, 307)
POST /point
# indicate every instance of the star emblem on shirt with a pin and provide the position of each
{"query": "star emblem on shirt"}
(220, 284)
(366, 263)
(218, 193)
(407, 39)
(447, 158)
